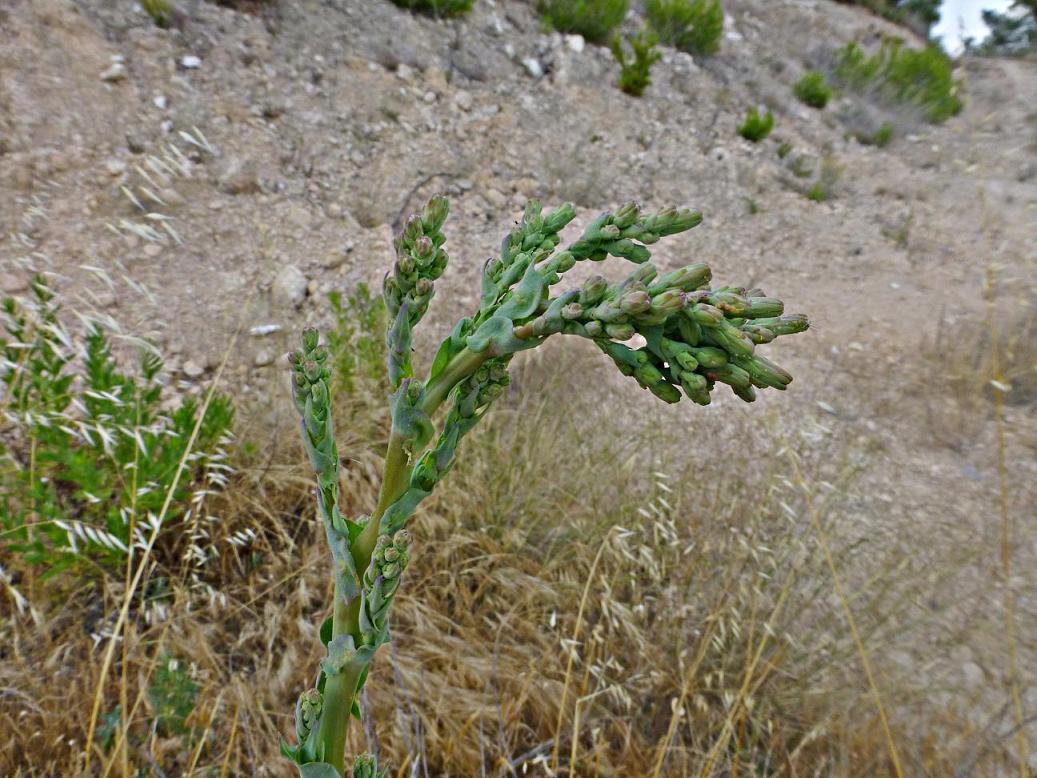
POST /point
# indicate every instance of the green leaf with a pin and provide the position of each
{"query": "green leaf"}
(326, 631)
(525, 299)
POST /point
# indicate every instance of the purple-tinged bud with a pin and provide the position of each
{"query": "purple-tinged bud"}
(626, 215)
(592, 290)
(424, 250)
(668, 302)
(572, 311)
(704, 314)
(412, 229)
(310, 338)
(620, 331)
(436, 211)
(593, 328)
(635, 302)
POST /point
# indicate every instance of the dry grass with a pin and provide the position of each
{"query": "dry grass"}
(588, 596)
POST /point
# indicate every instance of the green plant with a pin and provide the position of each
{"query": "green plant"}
(172, 695)
(92, 453)
(823, 188)
(437, 7)
(160, 11)
(755, 127)
(354, 349)
(635, 74)
(784, 150)
(694, 26)
(922, 78)
(593, 19)
(813, 90)
(694, 337)
(883, 135)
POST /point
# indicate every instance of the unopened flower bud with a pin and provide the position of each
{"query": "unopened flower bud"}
(412, 230)
(423, 287)
(635, 302)
(620, 331)
(572, 311)
(436, 211)
(592, 290)
(424, 249)
(593, 328)
(669, 302)
(559, 217)
(310, 338)
(626, 215)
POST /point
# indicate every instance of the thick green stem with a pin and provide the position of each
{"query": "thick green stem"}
(340, 689)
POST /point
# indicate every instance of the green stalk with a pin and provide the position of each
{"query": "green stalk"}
(340, 690)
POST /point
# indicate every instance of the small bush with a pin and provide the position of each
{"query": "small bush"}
(593, 19)
(823, 189)
(755, 127)
(694, 26)
(89, 455)
(437, 7)
(784, 150)
(813, 90)
(918, 77)
(635, 74)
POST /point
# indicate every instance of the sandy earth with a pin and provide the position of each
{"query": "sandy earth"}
(280, 149)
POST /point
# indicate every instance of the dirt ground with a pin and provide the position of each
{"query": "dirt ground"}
(192, 184)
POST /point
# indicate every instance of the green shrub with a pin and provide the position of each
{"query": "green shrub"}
(88, 454)
(356, 349)
(755, 127)
(437, 7)
(635, 75)
(694, 26)
(593, 19)
(918, 77)
(160, 11)
(813, 90)
(784, 150)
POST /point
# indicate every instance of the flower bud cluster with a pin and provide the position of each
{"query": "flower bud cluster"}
(420, 260)
(381, 580)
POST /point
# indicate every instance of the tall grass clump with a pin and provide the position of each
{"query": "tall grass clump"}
(921, 78)
(595, 20)
(756, 127)
(693, 26)
(89, 453)
(444, 8)
(813, 90)
(693, 338)
(635, 73)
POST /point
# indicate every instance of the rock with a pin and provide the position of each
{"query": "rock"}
(115, 72)
(973, 675)
(152, 250)
(533, 67)
(192, 369)
(496, 198)
(289, 287)
(575, 43)
(160, 102)
(13, 284)
(463, 100)
(264, 357)
(115, 167)
(237, 176)
(190, 62)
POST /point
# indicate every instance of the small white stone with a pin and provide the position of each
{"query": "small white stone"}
(575, 43)
(192, 369)
(115, 167)
(533, 67)
(160, 102)
(117, 72)
(264, 357)
(190, 62)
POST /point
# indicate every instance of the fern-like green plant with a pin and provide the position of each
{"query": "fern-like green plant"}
(693, 26)
(813, 90)
(593, 19)
(690, 338)
(756, 127)
(635, 74)
(94, 452)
